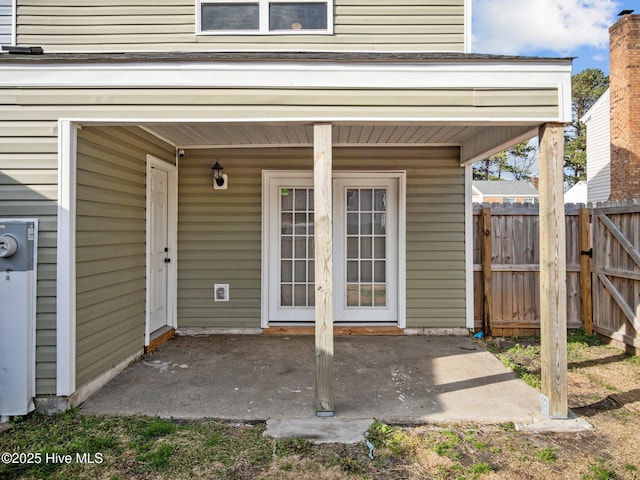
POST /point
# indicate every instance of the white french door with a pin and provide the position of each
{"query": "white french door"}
(366, 259)
(365, 246)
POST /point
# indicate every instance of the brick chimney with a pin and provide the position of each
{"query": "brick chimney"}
(624, 55)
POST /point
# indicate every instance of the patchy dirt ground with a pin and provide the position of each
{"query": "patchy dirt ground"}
(604, 388)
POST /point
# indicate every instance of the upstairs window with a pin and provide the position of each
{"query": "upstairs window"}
(264, 17)
(6, 22)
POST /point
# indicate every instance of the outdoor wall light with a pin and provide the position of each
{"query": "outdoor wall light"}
(219, 178)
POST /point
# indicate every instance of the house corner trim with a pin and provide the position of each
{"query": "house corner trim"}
(66, 260)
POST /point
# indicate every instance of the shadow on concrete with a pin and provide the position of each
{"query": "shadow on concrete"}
(396, 379)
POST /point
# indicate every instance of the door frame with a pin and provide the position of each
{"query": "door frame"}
(268, 175)
(172, 241)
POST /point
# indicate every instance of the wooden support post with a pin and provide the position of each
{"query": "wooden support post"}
(322, 150)
(486, 271)
(584, 236)
(553, 273)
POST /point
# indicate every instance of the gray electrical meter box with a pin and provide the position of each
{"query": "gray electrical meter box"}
(16, 246)
(18, 279)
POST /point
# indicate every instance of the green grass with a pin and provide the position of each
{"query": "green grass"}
(133, 446)
(531, 379)
(598, 471)
(580, 337)
(547, 455)
(632, 360)
(391, 438)
(481, 468)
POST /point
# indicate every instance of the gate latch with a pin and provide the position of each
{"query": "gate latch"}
(589, 252)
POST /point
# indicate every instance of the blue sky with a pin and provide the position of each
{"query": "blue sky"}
(549, 28)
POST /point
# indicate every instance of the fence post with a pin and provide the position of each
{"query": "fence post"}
(586, 305)
(486, 271)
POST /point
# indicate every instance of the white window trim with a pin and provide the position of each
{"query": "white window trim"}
(267, 248)
(263, 19)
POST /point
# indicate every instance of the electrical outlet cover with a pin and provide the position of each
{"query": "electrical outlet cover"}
(221, 292)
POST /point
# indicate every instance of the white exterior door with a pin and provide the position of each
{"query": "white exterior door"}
(158, 248)
(366, 259)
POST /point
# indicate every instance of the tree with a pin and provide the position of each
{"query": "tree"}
(490, 168)
(518, 161)
(522, 159)
(586, 88)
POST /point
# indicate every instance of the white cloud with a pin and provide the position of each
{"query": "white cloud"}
(525, 26)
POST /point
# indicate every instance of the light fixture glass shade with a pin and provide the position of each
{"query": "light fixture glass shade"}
(218, 178)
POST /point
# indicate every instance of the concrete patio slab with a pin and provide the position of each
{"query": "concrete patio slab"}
(401, 379)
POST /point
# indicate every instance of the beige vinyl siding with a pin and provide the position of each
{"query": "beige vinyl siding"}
(284, 103)
(219, 232)
(110, 245)
(28, 188)
(157, 25)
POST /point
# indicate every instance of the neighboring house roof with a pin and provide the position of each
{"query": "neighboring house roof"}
(577, 193)
(504, 188)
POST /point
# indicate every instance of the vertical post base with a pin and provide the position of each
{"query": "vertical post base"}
(324, 414)
(545, 409)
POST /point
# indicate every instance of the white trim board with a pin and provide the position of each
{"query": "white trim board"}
(468, 240)
(505, 74)
(66, 260)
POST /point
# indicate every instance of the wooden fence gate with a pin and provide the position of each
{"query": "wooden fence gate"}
(603, 292)
(616, 272)
(507, 269)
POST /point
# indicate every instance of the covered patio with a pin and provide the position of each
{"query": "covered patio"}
(147, 241)
(398, 379)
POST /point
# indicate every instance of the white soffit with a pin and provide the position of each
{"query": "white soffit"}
(223, 135)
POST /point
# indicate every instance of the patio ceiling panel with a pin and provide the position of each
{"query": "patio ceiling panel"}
(228, 134)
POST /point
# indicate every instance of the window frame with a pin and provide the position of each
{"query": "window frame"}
(263, 19)
(11, 6)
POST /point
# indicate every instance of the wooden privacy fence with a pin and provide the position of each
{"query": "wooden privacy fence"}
(506, 259)
(616, 272)
(507, 265)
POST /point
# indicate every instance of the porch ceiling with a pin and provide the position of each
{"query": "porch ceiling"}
(211, 135)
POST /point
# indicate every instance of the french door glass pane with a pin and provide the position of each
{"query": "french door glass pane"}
(296, 247)
(366, 247)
